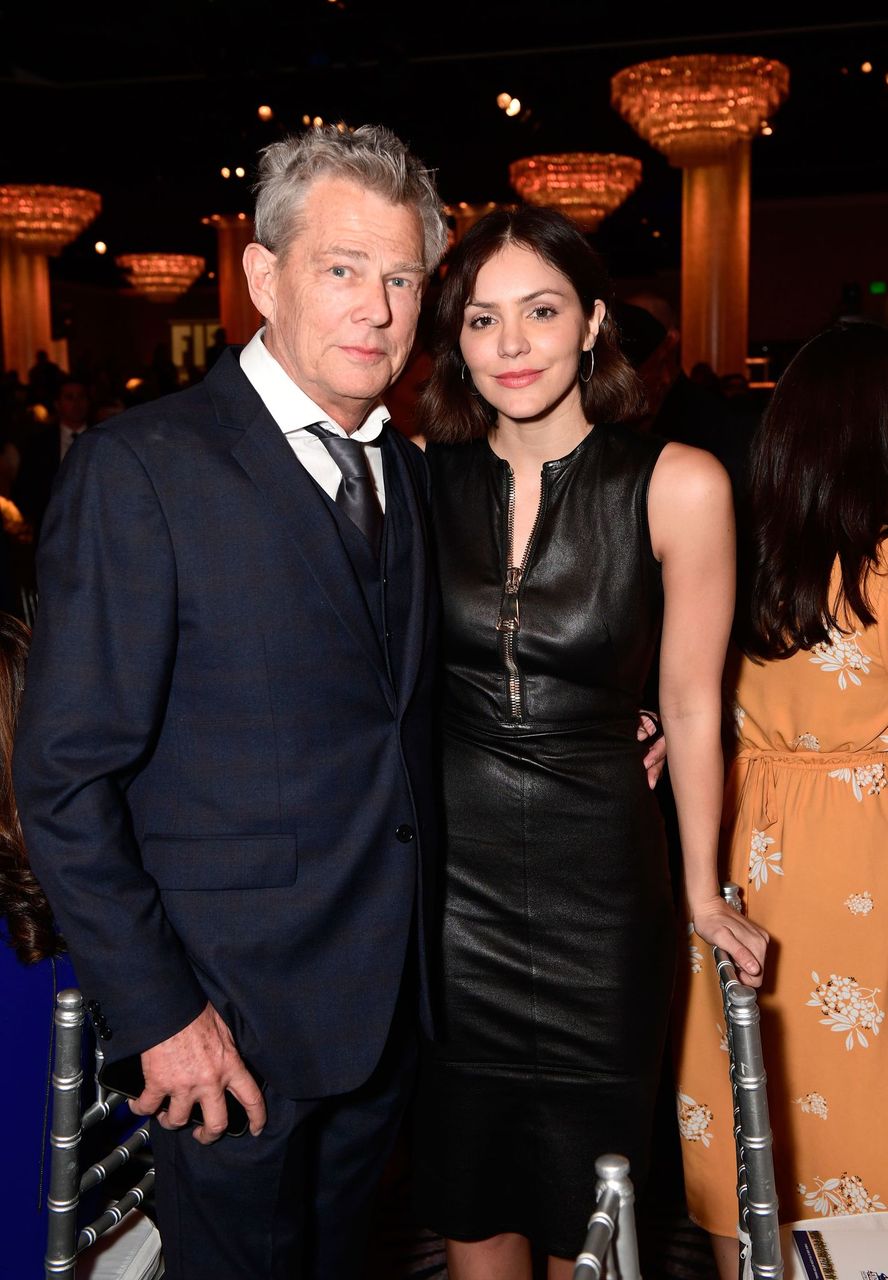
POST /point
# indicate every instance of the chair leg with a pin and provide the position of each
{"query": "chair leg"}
(67, 1078)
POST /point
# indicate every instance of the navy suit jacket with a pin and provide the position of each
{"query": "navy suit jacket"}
(223, 793)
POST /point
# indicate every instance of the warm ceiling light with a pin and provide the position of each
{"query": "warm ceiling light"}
(264, 112)
(239, 172)
(317, 121)
(46, 218)
(225, 171)
(585, 185)
(514, 107)
(766, 129)
(161, 276)
(465, 215)
(866, 67)
(694, 108)
(503, 100)
(100, 246)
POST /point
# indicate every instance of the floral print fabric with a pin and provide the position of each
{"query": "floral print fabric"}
(805, 835)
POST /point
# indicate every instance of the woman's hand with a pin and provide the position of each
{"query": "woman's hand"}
(649, 727)
(721, 926)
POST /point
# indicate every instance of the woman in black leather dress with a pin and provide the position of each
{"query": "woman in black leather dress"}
(565, 543)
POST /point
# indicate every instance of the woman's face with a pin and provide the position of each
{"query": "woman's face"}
(523, 331)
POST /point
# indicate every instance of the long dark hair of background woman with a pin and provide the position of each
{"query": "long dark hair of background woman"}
(22, 902)
(820, 486)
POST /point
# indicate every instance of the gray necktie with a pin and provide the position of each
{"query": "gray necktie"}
(356, 495)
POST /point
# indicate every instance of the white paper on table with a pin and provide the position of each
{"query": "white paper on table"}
(850, 1247)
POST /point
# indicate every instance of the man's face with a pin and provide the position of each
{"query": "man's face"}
(345, 300)
(72, 405)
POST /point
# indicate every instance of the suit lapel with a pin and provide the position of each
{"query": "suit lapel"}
(393, 455)
(265, 455)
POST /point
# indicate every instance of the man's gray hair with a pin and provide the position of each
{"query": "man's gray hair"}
(370, 156)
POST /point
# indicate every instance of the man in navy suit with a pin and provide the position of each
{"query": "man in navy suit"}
(43, 452)
(224, 754)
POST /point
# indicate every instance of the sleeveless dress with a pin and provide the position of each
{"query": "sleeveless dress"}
(805, 835)
(556, 953)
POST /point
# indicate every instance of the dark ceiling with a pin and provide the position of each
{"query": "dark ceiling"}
(148, 111)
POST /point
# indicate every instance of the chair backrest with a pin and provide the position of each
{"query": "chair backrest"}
(611, 1246)
(133, 1252)
(756, 1185)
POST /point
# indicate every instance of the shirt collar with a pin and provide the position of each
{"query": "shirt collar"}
(288, 404)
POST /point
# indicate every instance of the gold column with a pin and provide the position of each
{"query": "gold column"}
(715, 262)
(34, 221)
(24, 306)
(702, 111)
(237, 315)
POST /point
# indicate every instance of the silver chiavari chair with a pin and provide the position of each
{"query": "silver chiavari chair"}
(610, 1251)
(132, 1252)
(761, 1255)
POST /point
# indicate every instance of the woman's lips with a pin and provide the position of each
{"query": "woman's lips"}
(518, 377)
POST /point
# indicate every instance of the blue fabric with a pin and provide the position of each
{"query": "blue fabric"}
(27, 998)
(27, 1001)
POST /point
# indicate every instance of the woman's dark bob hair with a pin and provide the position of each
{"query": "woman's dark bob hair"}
(450, 409)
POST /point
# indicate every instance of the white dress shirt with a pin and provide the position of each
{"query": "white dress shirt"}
(293, 411)
(67, 436)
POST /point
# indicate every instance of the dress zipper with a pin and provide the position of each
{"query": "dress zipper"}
(509, 620)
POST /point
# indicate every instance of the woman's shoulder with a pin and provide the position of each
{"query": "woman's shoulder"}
(677, 468)
(881, 565)
(875, 582)
(689, 469)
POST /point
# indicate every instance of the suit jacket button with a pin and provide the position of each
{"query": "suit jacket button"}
(105, 1032)
(93, 1006)
(405, 833)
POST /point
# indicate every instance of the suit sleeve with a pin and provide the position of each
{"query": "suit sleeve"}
(96, 689)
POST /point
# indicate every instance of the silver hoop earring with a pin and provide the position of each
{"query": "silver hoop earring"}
(588, 376)
(470, 386)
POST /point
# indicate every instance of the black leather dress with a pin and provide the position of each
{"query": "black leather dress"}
(558, 932)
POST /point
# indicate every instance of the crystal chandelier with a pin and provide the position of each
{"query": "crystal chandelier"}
(161, 277)
(465, 215)
(46, 218)
(585, 185)
(694, 108)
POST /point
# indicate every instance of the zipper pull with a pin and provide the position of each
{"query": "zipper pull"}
(509, 614)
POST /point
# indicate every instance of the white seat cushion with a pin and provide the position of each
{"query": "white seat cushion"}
(130, 1251)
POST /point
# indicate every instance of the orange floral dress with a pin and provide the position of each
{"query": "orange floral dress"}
(805, 835)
